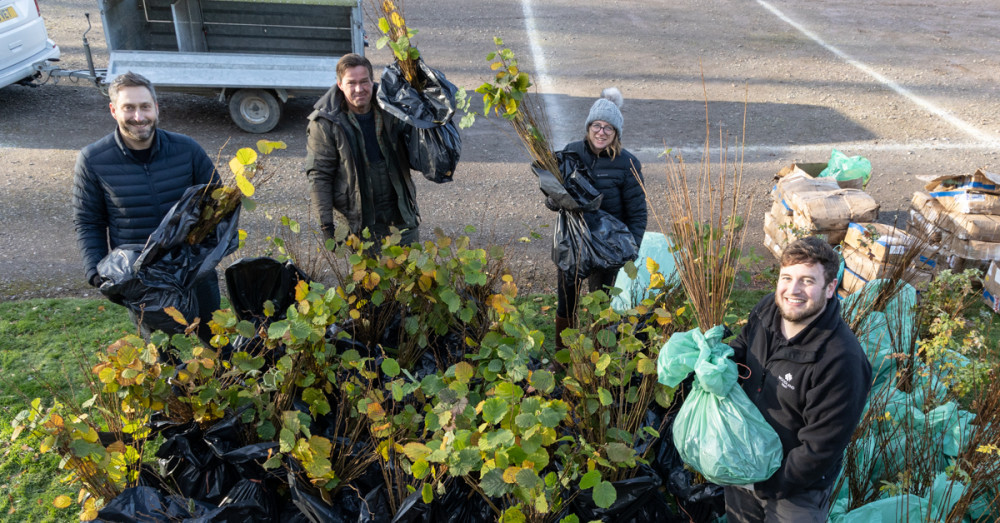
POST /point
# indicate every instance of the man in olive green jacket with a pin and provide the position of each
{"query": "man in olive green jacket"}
(356, 161)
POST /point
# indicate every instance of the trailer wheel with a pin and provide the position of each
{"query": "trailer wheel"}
(255, 110)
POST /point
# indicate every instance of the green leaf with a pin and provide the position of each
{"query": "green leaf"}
(620, 452)
(464, 372)
(631, 270)
(416, 451)
(246, 329)
(590, 479)
(509, 391)
(605, 494)
(420, 468)
(266, 430)
(286, 439)
(390, 367)
(527, 478)
(542, 380)
(493, 484)
(525, 419)
(427, 493)
(492, 440)
(551, 417)
(451, 299)
(466, 461)
(604, 396)
(383, 25)
(606, 338)
(494, 409)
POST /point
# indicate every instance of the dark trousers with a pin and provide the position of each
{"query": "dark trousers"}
(743, 506)
(568, 288)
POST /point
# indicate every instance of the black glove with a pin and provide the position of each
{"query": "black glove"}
(96, 280)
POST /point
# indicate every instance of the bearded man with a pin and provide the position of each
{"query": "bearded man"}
(810, 379)
(125, 183)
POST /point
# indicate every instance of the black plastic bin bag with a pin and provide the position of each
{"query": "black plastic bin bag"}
(160, 274)
(432, 142)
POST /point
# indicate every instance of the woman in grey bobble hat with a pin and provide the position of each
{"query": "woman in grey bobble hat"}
(617, 174)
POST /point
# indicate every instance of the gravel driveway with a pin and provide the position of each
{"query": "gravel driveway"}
(911, 85)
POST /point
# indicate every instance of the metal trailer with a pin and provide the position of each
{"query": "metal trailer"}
(252, 54)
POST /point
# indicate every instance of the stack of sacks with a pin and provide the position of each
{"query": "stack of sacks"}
(962, 214)
(805, 205)
(875, 250)
(991, 287)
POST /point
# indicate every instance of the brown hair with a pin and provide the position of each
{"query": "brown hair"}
(129, 79)
(351, 60)
(810, 250)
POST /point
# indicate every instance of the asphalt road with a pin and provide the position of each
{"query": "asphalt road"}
(913, 86)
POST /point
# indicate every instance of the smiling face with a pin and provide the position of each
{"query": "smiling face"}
(801, 295)
(137, 114)
(600, 134)
(356, 84)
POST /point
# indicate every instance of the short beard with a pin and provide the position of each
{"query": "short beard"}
(809, 313)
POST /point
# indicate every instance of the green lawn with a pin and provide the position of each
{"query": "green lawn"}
(42, 343)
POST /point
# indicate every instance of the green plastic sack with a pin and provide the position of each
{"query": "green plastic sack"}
(841, 167)
(718, 431)
(944, 494)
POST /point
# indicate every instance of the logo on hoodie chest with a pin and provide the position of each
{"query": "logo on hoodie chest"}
(786, 381)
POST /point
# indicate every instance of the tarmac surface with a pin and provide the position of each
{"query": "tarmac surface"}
(913, 86)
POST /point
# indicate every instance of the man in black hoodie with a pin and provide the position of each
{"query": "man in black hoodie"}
(356, 161)
(810, 379)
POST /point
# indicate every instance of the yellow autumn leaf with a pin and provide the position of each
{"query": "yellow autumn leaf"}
(267, 146)
(236, 167)
(397, 20)
(175, 315)
(245, 186)
(301, 290)
(246, 156)
(651, 265)
(89, 510)
(509, 475)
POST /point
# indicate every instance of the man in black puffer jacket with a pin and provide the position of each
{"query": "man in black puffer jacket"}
(810, 379)
(126, 182)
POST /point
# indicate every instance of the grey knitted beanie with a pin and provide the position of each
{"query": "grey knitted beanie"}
(606, 109)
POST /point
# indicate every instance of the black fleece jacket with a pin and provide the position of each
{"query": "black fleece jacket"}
(811, 389)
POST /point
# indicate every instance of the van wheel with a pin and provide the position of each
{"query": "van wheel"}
(255, 110)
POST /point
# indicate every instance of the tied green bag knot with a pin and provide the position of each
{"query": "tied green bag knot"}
(718, 431)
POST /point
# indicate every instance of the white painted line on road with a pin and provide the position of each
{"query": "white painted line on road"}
(543, 80)
(963, 126)
(691, 151)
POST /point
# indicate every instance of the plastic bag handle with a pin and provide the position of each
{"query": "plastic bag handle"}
(742, 377)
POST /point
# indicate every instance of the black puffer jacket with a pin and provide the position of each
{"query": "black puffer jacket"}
(334, 161)
(623, 194)
(811, 389)
(118, 200)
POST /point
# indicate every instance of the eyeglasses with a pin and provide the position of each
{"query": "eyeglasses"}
(596, 128)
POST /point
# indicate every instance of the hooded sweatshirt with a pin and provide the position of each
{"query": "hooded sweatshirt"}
(811, 389)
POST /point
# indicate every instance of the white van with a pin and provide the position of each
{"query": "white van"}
(23, 41)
